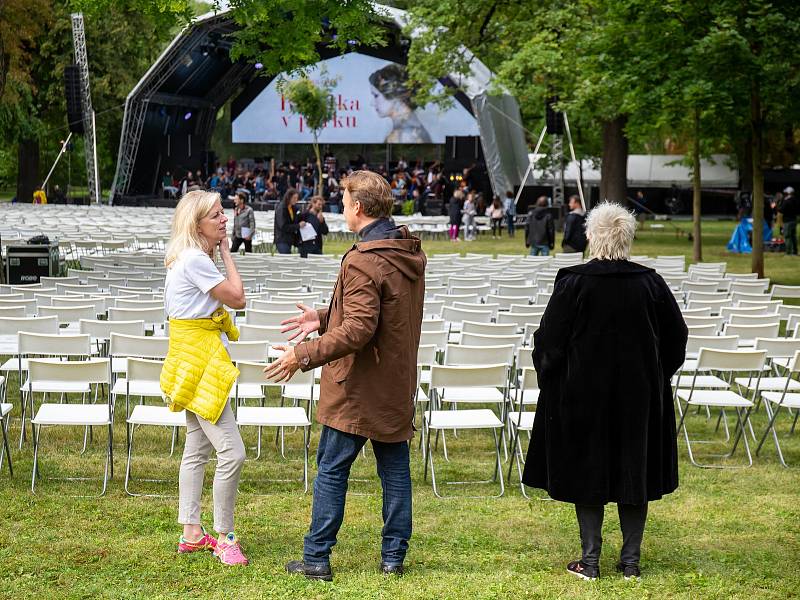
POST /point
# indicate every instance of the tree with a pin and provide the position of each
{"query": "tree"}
(314, 102)
(121, 43)
(578, 50)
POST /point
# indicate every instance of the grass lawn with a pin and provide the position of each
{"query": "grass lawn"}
(723, 534)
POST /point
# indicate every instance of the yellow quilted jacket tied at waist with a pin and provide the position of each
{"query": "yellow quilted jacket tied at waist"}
(198, 373)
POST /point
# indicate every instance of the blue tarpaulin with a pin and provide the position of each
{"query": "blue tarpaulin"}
(740, 240)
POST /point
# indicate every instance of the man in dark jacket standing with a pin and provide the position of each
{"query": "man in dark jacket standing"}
(609, 342)
(540, 232)
(314, 217)
(368, 336)
(574, 227)
(287, 222)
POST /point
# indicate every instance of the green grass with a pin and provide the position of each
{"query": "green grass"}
(722, 534)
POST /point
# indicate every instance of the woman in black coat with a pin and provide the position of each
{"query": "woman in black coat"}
(454, 212)
(287, 223)
(610, 339)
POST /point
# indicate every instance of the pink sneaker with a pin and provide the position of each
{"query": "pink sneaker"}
(229, 552)
(206, 542)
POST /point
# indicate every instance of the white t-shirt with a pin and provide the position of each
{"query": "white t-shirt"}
(188, 282)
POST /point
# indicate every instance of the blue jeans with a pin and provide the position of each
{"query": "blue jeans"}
(336, 453)
(283, 248)
(537, 250)
(510, 219)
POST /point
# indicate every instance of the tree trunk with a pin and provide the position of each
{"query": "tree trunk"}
(756, 123)
(614, 166)
(27, 169)
(697, 246)
(319, 166)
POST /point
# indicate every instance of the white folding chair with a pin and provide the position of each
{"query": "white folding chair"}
(143, 379)
(266, 318)
(5, 408)
(775, 400)
(252, 375)
(100, 331)
(71, 377)
(444, 378)
(748, 333)
(488, 328)
(152, 317)
(726, 362)
(518, 419)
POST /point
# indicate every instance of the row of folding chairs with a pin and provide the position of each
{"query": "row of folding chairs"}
(720, 375)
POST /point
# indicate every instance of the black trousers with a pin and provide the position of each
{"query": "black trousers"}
(632, 519)
(237, 241)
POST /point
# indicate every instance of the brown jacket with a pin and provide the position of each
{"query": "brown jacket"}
(369, 339)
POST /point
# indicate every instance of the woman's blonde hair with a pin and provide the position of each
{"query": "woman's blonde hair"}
(185, 234)
(610, 230)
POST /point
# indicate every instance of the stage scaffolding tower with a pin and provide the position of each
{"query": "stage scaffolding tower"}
(89, 138)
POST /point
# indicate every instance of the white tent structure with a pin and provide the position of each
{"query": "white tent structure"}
(653, 170)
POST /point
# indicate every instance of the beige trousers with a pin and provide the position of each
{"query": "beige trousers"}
(201, 437)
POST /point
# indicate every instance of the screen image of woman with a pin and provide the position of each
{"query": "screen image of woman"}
(392, 98)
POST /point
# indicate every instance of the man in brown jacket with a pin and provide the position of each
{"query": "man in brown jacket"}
(368, 342)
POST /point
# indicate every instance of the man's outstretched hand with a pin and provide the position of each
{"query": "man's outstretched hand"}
(302, 325)
(284, 368)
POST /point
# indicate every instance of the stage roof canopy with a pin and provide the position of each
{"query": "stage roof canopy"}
(171, 112)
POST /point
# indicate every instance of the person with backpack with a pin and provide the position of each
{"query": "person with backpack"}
(574, 227)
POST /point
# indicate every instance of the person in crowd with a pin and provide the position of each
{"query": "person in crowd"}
(187, 182)
(195, 296)
(59, 197)
(244, 223)
(540, 231)
(420, 203)
(393, 98)
(469, 211)
(788, 211)
(510, 209)
(454, 211)
(369, 336)
(168, 187)
(496, 214)
(287, 223)
(574, 225)
(610, 340)
(314, 218)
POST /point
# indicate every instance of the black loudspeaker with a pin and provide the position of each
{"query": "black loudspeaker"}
(72, 93)
(467, 148)
(553, 118)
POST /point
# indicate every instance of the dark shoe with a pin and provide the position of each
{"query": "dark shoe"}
(322, 572)
(582, 570)
(629, 571)
(392, 569)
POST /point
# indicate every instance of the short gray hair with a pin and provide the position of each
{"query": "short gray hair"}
(610, 230)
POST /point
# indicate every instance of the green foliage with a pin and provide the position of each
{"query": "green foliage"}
(312, 100)
(287, 36)
(408, 208)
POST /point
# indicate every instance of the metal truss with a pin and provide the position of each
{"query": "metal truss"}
(90, 142)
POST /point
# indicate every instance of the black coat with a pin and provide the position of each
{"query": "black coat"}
(454, 211)
(287, 230)
(574, 231)
(610, 339)
(540, 229)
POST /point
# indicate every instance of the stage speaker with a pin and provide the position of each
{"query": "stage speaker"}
(554, 119)
(463, 148)
(72, 94)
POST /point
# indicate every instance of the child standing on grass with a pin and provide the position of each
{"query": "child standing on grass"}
(198, 373)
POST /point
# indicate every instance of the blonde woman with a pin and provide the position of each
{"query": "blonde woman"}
(198, 373)
(610, 339)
